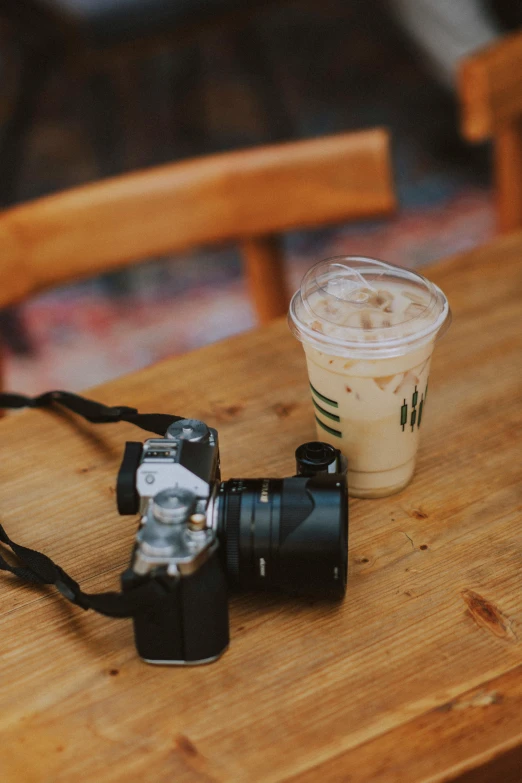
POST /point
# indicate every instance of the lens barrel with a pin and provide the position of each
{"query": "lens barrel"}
(286, 534)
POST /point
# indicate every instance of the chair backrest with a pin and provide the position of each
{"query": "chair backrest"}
(246, 197)
(490, 86)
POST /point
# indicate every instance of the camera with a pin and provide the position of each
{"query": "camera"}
(199, 534)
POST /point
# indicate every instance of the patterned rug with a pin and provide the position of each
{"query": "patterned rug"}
(91, 332)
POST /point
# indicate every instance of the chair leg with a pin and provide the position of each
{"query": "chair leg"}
(264, 266)
(508, 173)
(13, 331)
(265, 82)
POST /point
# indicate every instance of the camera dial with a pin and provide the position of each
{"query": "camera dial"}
(173, 505)
(189, 429)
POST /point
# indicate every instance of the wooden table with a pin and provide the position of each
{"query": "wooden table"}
(417, 676)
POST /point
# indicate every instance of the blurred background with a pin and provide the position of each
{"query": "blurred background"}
(92, 88)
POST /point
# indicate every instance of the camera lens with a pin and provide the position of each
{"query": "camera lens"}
(286, 534)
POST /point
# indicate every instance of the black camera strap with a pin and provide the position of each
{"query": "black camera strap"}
(95, 412)
(38, 569)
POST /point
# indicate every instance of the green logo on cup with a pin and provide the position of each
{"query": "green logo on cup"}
(327, 414)
(328, 401)
(416, 409)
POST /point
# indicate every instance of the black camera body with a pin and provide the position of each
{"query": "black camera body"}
(188, 621)
(197, 534)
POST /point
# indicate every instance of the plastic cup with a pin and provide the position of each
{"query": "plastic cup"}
(368, 330)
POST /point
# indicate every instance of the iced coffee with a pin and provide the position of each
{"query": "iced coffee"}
(368, 330)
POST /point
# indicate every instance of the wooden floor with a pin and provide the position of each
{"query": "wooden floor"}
(416, 676)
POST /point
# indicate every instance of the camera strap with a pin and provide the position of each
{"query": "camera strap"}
(38, 569)
(95, 412)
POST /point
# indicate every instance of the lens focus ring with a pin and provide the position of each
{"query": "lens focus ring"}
(233, 511)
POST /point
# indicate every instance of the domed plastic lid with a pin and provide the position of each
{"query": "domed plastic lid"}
(356, 306)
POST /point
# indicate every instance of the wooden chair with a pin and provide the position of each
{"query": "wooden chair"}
(490, 86)
(248, 197)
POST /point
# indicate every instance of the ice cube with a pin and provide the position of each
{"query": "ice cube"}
(366, 321)
(421, 367)
(414, 309)
(413, 297)
(384, 381)
(381, 299)
(350, 286)
(409, 380)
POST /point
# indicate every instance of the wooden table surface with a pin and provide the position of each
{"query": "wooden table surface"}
(416, 676)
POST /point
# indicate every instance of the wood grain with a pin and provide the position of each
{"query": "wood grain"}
(416, 676)
(233, 197)
(479, 731)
